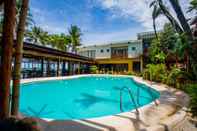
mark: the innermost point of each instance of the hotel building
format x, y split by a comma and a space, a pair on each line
124, 56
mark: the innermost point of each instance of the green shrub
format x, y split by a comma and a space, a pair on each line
172, 76
191, 90
93, 69
155, 72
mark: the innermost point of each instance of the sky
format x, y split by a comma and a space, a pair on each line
100, 21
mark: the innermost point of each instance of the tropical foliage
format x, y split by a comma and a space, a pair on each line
59, 41
191, 89
29, 21
38, 35
193, 6
75, 37
175, 41
93, 69
155, 72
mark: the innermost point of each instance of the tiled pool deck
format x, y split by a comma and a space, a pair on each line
169, 114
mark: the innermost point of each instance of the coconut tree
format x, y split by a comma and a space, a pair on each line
75, 36
29, 20
158, 9
60, 42
184, 28
156, 12
6, 56
179, 13
193, 6
18, 56
38, 35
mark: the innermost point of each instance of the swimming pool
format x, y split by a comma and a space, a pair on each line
82, 97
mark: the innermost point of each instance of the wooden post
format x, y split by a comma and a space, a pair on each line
79, 68
70, 68
48, 68
58, 67
42, 66
63, 68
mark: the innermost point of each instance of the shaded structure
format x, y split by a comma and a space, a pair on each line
40, 61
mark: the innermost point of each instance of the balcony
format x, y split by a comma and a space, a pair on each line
119, 53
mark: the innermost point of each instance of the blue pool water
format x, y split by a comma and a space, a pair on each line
83, 97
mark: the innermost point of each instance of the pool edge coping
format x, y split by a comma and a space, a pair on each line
173, 120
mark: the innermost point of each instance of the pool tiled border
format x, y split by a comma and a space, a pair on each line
168, 114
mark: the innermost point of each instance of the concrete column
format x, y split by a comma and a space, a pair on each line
130, 66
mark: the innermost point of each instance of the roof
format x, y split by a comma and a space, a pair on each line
113, 43
46, 50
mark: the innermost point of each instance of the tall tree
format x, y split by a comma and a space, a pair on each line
18, 57
29, 20
38, 35
156, 12
193, 6
6, 54
60, 42
75, 36
160, 8
179, 13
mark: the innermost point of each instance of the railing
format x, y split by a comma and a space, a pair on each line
131, 97
119, 56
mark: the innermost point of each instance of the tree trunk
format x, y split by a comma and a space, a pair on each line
1, 2
18, 57
182, 19
6, 54
172, 20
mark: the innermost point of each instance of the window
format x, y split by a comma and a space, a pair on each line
107, 50
133, 48
101, 50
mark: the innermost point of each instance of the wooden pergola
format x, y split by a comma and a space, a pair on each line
45, 62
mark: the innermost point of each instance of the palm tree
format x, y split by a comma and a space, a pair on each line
179, 13
184, 28
161, 9
29, 20
156, 12
6, 56
193, 6
38, 35
75, 36
18, 57
61, 41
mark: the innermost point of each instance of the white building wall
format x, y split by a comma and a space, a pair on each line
107, 54
137, 52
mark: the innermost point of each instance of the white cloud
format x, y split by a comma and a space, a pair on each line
102, 38
138, 10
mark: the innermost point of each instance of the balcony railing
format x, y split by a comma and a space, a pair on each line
119, 55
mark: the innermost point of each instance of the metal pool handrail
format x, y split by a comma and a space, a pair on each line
131, 97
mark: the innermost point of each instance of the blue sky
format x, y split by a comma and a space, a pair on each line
101, 21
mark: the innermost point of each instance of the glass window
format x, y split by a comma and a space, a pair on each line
133, 48
101, 50
107, 50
